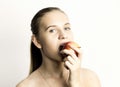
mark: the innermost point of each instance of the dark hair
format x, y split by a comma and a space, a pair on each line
36, 56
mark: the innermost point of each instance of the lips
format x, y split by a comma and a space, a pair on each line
61, 47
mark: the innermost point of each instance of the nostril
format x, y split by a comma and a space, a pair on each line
62, 36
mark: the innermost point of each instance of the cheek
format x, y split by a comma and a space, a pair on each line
49, 43
46, 39
49, 49
71, 36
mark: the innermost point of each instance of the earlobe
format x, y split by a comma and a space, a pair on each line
35, 41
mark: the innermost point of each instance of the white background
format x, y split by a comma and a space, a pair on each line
96, 24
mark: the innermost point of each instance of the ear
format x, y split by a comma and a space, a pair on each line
35, 41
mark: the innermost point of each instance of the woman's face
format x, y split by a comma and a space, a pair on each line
54, 30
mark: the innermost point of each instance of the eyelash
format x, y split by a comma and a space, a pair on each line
52, 30
67, 28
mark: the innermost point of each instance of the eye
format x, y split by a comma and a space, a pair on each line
52, 30
67, 28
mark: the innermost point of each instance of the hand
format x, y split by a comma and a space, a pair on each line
73, 63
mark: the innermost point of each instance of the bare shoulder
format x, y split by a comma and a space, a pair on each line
28, 82
91, 78
33, 80
23, 83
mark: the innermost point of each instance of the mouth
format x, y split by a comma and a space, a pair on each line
62, 47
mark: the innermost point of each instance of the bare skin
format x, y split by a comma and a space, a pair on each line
88, 79
56, 71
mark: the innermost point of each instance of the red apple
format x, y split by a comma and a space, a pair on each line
67, 46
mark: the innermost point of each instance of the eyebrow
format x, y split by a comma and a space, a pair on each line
49, 27
67, 24
55, 26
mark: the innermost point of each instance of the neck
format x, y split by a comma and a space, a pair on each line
52, 68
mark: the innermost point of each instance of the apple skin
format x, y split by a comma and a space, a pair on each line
67, 46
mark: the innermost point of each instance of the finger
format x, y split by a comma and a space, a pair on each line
71, 60
68, 64
77, 50
67, 52
70, 53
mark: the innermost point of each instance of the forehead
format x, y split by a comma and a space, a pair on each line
54, 18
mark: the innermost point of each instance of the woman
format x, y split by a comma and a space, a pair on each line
51, 28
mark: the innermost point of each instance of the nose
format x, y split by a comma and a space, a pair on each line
62, 35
